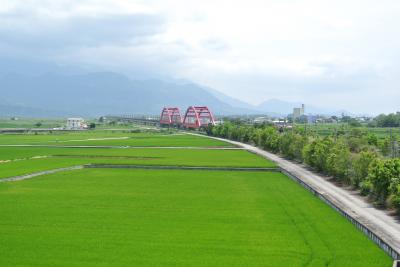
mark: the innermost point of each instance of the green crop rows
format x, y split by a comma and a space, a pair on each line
108, 138
125, 217
33, 159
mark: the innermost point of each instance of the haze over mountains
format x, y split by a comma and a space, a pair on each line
45, 91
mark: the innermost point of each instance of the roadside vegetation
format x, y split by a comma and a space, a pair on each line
390, 120
342, 128
356, 157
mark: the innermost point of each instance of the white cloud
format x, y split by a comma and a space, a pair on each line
320, 51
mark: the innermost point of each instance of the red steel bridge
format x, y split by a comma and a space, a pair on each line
171, 116
195, 117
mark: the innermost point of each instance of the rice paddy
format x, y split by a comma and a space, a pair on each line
134, 217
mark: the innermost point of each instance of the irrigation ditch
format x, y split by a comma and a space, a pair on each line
169, 167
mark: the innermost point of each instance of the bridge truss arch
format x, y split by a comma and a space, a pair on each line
197, 117
170, 116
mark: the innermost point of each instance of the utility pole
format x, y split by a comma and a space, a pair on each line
398, 147
336, 134
392, 147
305, 128
395, 147
293, 126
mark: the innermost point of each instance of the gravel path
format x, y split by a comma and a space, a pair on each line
31, 175
378, 221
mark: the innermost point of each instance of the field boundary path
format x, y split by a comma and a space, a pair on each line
35, 174
171, 167
134, 147
382, 228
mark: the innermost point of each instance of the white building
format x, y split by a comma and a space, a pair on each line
262, 120
76, 124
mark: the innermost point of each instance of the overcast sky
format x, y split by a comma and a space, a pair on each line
343, 54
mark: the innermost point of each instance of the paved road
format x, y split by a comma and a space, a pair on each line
385, 226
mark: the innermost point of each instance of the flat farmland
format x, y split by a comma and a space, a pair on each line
137, 217
24, 160
174, 218
109, 138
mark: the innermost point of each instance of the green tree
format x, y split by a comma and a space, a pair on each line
217, 130
299, 143
360, 166
226, 130
256, 136
394, 187
372, 139
390, 120
285, 144
338, 161
383, 176
247, 133
385, 146
395, 197
354, 123
321, 153
308, 153
349, 156
270, 139
291, 145
209, 129
346, 119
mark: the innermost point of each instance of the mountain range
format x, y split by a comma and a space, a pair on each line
93, 94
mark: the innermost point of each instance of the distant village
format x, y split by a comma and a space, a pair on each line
299, 116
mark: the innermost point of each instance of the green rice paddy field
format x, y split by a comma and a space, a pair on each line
109, 138
127, 217
21, 160
329, 129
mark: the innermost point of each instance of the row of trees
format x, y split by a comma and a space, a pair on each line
354, 158
390, 120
